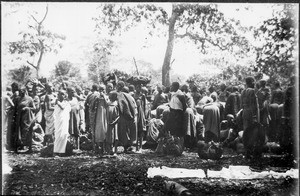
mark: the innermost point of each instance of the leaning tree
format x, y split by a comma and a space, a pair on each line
203, 24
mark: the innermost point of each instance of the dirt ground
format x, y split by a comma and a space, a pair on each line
126, 174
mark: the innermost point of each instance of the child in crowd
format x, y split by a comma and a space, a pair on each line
112, 119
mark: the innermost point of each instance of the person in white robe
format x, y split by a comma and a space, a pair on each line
61, 122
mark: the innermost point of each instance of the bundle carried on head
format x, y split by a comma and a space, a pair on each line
110, 78
135, 80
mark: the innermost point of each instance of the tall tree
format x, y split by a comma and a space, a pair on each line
202, 24
36, 41
276, 54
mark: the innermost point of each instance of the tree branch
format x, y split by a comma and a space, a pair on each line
203, 40
31, 64
45, 15
34, 19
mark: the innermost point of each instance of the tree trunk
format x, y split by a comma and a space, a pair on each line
167, 60
38, 65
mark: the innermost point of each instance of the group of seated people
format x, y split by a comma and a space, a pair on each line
121, 114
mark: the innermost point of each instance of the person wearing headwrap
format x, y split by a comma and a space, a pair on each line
100, 106
24, 120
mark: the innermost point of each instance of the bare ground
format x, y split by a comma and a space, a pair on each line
126, 174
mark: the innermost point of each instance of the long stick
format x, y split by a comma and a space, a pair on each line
137, 70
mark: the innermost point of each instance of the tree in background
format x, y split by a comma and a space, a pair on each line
99, 60
65, 71
35, 42
202, 24
20, 75
276, 54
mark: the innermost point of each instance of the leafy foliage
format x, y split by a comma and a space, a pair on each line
201, 24
98, 66
65, 71
276, 55
20, 75
232, 75
35, 42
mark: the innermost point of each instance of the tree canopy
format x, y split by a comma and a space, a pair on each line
202, 24
276, 54
36, 41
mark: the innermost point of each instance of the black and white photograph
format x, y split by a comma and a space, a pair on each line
150, 98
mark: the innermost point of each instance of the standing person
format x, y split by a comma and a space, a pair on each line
177, 104
50, 100
253, 136
8, 107
249, 103
233, 103
33, 86
263, 97
112, 119
127, 121
140, 100
89, 111
100, 106
74, 116
61, 115
24, 120
13, 137
288, 132
277, 100
81, 100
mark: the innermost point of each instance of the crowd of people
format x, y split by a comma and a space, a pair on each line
120, 114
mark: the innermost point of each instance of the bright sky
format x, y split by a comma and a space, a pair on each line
74, 21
